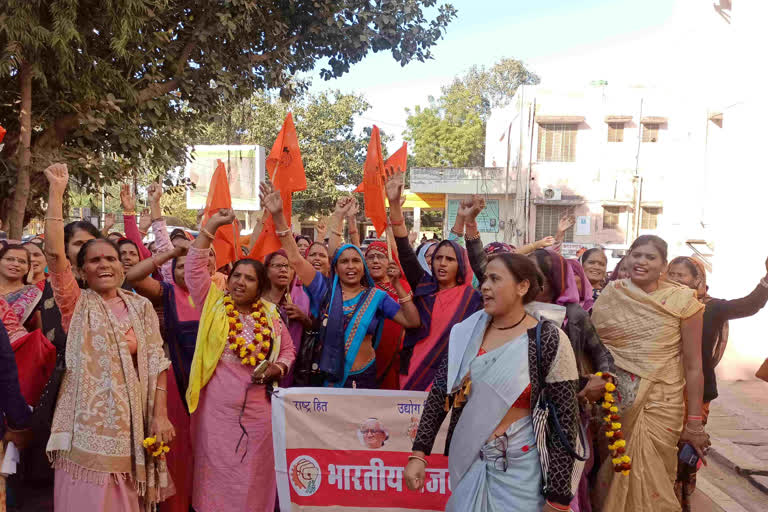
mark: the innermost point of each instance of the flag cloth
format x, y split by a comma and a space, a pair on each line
373, 180
398, 160
286, 171
227, 241
2, 133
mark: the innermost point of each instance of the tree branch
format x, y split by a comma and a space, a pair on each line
266, 56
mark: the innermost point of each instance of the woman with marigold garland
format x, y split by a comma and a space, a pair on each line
231, 413
652, 327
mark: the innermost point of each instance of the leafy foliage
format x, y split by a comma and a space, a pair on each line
450, 132
120, 86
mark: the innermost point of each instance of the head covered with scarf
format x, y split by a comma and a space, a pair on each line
586, 299
381, 247
460, 302
560, 276
421, 255
498, 248
699, 273
333, 357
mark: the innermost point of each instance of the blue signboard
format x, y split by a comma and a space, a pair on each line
487, 221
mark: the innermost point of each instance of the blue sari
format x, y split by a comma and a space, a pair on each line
347, 323
181, 337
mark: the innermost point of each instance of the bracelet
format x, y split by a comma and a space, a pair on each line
129, 213
282, 370
416, 457
337, 233
565, 508
207, 233
692, 431
397, 222
161, 389
60, 219
763, 282
460, 235
405, 299
476, 236
144, 232
695, 418
283, 233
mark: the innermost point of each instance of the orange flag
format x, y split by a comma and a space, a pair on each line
399, 159
373, 182
2, 133
227, 241
286, 171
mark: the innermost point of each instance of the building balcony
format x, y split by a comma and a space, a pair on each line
462, 180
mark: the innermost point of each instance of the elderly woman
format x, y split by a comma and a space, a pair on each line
113, 394
372, 434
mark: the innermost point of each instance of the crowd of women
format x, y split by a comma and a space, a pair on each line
129, 346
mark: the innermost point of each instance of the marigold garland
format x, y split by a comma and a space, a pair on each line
249, 353
156, 448
622, 463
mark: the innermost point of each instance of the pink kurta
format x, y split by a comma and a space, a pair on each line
234, 471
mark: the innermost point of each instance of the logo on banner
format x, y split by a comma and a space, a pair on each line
305, 475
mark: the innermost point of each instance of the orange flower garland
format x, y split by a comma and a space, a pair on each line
249, 353
622, 463
156, 448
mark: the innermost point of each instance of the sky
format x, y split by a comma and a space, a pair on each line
560, 40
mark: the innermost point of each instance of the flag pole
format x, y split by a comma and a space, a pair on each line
387, 232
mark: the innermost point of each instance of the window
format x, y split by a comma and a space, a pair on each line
611, 216
547, 218
557, 142
615, 132
650, 132
650, 217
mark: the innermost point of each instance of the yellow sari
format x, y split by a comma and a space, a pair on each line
642, 332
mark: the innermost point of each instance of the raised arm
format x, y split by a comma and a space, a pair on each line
354, 233
109, 222
408, 316
344, 206
468, 211
272, 201
749, 305
257, 227
55, 251
139, 276
547, 241
196, 267
408, 260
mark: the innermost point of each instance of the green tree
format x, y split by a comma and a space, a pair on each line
450, 131
332, 152
112, 88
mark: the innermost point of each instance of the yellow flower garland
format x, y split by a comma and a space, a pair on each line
249, 353
156, 448
622, 463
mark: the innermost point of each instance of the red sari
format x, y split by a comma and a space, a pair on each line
388, 351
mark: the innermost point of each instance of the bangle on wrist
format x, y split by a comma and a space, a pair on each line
695, 418
144, 232
208, 234
283, 233
129, 213
337, 233
460, 235
158, 388
476, 236
564, 508
397, 222
416, 457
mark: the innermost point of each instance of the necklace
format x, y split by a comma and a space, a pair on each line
511, 326
248, 353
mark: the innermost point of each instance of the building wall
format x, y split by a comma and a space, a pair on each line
602, 172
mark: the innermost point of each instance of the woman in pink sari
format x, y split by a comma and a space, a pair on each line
23, 297
242, 348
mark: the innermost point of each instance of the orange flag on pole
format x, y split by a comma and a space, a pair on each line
286, 171
227, 241
398, 160
373, 183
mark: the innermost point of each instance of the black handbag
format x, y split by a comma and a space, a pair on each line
545, 417
306, 371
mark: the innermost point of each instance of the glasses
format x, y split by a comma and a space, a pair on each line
370, 432
499, 459
374, 256
280, 266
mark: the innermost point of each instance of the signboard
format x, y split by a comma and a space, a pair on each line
487, 221
345, 450
422, 200
582, 225
245, 170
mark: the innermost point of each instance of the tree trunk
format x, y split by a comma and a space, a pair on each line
24, 154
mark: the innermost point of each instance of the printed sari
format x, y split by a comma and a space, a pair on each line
642, 332
348, 323
24, 301
439, 310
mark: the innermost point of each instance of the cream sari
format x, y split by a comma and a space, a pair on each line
642, 332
